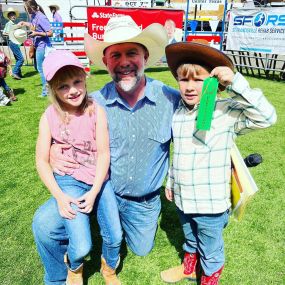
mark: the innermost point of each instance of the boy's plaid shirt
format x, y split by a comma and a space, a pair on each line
200, 172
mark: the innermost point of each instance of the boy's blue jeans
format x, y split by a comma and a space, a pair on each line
18, 56
204, 235
51, 237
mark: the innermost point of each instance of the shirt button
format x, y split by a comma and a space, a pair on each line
131, 178
132, 157
133, 136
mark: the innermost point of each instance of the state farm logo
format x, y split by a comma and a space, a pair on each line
95, 15
103, 15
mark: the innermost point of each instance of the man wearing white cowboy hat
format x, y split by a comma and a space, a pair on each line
11, 14
139, 111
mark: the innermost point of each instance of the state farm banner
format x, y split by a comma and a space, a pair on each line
98, 17
257, 30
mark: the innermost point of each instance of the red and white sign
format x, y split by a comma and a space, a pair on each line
98, 17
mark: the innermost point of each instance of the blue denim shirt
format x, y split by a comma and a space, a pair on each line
139, 137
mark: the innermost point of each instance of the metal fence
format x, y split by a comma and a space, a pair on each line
270, 66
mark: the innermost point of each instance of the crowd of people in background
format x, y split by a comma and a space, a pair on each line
38, 32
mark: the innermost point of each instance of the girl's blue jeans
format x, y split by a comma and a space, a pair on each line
52, 238
77, 229
204, 235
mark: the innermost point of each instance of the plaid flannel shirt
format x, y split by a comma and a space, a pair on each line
200, 172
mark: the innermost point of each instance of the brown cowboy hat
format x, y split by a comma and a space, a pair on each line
195, 53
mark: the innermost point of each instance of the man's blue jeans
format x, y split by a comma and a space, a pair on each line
139, 222
204, 235
52, 239
40, 56
18, 57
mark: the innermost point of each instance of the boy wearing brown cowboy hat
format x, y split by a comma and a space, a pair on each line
199, 178
11, 15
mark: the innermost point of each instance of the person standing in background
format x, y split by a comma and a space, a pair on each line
11, 15
40, 31
55, 14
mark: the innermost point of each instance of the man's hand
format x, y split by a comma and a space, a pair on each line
60, 164
86, 202
169, 194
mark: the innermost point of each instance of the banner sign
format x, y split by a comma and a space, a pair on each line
257, 30
221, 2
98, 17
131, 4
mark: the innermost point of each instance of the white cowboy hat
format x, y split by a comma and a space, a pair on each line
123, 29
10, 10
17, 35
54, 5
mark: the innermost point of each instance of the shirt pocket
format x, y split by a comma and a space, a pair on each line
114, 139
160, 136
204, 139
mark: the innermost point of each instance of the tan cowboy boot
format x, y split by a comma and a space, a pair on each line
187, 270
109, 274
74, 277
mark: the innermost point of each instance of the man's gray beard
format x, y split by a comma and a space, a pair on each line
129, 85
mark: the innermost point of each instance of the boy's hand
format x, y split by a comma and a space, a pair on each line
64, 206
169, 194
86, 202
224, 75
59, 163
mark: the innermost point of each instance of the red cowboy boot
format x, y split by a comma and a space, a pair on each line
213, 279
187, 270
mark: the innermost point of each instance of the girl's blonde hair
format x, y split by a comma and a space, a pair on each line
61, 75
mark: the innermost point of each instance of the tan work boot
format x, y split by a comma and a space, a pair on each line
74, 277
187, 270
109, 274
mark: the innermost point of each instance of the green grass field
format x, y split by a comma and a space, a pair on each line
255, 247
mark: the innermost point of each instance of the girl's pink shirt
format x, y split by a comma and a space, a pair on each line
80, 133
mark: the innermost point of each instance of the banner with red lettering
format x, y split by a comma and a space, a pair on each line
98, 17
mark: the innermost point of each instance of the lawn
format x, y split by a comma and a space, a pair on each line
255, 247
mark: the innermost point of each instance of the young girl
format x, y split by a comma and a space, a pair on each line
40, 32
199, 179
73, 119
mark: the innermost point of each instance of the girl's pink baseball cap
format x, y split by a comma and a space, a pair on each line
57, 59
